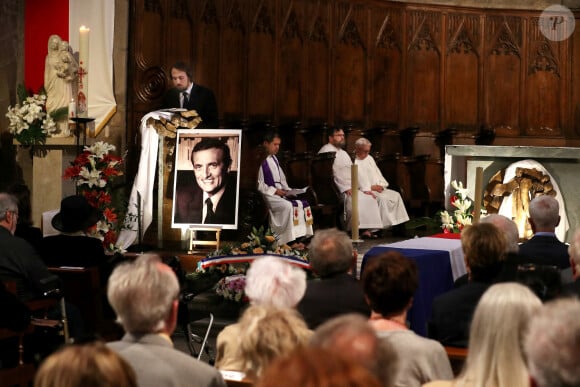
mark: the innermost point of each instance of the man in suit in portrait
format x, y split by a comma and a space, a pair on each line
188, 95
337, 292
144, 294
544, 248
210, 197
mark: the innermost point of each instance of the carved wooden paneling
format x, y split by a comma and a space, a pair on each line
261, 58
423, 68
462, 73
207, 51
349, 61
179, 36
232, 66
317, 72
386, 70
502, 69
290, 91
543, 76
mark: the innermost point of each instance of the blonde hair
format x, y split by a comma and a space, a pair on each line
87, 365
268, 333
495, 356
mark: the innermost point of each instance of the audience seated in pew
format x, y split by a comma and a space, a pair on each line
144, 294
390, 281
552, 345
20, 263
269, 282
85, 365
544, 280
312, 367
289, 217
544, 248
495, 354
336, 292
484, 248
351, 335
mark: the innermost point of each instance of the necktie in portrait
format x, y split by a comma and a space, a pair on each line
209, 211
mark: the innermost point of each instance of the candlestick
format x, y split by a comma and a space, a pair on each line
478, 194
83, 93
354, 197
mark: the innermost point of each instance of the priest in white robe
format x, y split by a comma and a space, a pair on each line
372, 181
368, 207
289, 217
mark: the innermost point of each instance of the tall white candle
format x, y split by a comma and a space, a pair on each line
83, 95
354, 197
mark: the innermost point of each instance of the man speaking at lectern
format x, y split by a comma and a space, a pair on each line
190, 96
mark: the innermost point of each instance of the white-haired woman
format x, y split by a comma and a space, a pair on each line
270, 281
495, 356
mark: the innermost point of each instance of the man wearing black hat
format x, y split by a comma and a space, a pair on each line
73, 247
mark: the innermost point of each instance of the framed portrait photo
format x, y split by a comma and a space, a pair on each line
207, 178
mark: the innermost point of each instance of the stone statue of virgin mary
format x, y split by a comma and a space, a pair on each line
60, 74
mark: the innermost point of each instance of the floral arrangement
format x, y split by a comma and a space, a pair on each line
230, 275
232, 288
463, 213
29, 122
94, 170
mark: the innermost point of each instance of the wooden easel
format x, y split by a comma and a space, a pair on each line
194, 242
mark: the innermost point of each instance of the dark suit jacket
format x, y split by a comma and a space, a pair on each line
452, 312
546, 250
67, 250
19, 262
201, 100
330, 297
157, 363
189, 200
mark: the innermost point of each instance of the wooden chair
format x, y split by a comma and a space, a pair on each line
82, 287
456, 357
23, 373
328, 205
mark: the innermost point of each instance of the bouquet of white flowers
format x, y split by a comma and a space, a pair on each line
29, 122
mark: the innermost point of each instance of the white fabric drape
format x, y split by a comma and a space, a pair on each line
99, 16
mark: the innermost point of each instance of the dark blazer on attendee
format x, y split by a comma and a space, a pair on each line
452, 312
546, 250
188, 203
330, 297
201, 100
72, 250
157, 363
